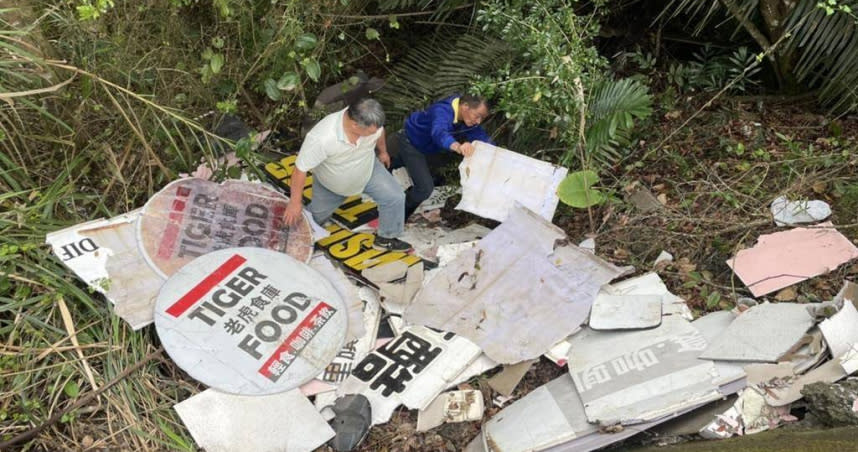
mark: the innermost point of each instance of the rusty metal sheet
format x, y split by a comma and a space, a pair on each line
250, 320
191, 217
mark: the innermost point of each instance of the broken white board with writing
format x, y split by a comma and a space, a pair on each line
631, 377
495, 179
514, 294
356, 350
763, 333
552, 417
250, 320
348, 292
711, 326
105, 255
625, 312
841, 330
411, 370
451, 407
785, 258
284, 422
191, 217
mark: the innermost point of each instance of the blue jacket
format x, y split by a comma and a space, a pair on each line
433, 131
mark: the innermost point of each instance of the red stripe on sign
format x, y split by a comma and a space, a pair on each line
189, 299
287, 343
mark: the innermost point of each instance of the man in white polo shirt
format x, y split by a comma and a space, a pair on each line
341, 152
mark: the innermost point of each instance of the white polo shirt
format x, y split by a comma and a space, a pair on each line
340, 166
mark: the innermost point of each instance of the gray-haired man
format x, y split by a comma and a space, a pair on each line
341, 152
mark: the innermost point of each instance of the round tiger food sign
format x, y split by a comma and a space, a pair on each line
250, 320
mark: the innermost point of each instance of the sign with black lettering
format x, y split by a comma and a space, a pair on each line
250, 321
354, 250
191, 217
352, 213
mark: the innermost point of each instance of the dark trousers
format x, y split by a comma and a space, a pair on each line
419, 167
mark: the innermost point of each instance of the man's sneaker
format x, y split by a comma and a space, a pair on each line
383, 243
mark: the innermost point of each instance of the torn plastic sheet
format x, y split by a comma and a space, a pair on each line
105, 255
639, 376
191, 217
410, 370
763, 333
250, 320
495, 179
285, 422
552, 417
514, 294
451, 407
785, 258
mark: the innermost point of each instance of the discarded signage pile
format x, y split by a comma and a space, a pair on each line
299, 349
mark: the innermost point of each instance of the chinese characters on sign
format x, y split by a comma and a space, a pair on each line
250, 320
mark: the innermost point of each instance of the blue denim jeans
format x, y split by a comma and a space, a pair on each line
382, 188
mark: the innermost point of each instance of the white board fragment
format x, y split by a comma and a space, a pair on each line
411, 370
625, 312
841, 330
514, 294
639, 376
495, 179
763, 333
285, 422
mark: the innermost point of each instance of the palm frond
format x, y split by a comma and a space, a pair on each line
437, 69
613, 108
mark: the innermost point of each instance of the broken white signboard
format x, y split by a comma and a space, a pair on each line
495, 179
638, 376
514, 294
355, 351
191, 217
250, 321
105, 255
763, 333
285, 422
841, 330
410, 370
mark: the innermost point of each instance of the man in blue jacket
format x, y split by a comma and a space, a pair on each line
450, 125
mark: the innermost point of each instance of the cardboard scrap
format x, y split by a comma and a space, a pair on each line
638, 376
451, 407
784, 258
284, 422
495, 179
411, 370
514, 294
505, 381
763, 333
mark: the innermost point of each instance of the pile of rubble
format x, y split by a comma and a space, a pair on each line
306, 335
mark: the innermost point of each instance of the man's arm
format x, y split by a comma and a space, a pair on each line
381, 149
442, 124
296, 194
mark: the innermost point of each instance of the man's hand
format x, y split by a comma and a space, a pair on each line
466, 149
292, 213
384, 158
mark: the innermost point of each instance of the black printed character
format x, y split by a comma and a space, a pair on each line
407, 353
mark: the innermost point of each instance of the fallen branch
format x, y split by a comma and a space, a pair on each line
33, 432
